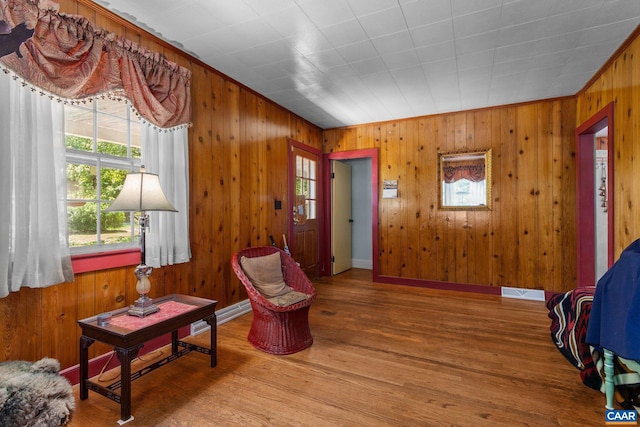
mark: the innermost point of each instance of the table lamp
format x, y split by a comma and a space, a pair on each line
142, 192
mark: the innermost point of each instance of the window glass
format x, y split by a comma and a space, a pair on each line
103, 145
78, 127
305, 203
464, 193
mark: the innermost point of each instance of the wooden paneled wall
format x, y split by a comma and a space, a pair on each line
238, 163
526, 240
238, 152
620, 83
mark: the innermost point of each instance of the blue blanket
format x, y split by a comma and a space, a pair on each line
615, 313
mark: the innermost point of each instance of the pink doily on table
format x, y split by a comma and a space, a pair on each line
168, 310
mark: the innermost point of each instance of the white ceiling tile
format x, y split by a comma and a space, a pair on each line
265, 54
382, 23
358, 51
344, 33
569, 22
609, 32
326, 12
515, 51
448, 102
437, 52
203, 46
467, 7
568, 84
309, 40
515, 66
535, 75
262, 7
274, 72
437, 69
476, 23
522, 12
369, 66
426, 35
409, 75
289, 22
475, 60
554, 44
399, 60
183, 23
366, 7
620, 10
254, 33
379, 81
341, 71
393, 43
422, 102
520, 33
479, 43
471, 79
570, 6
547, 59
225, 12
420, 13
582, 59
326, 60
220, 42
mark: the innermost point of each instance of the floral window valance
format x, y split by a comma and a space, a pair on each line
473, 170
67, 56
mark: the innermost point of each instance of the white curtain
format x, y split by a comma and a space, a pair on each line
165, 152
474, 193
33, 218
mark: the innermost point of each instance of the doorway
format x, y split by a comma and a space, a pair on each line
595, 177
363, 184
342, 220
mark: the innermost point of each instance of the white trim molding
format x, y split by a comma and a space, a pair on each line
222, 316
519, 293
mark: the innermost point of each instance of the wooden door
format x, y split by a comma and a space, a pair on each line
340, 217
305, 209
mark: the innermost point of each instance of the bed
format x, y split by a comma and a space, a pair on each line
597, 329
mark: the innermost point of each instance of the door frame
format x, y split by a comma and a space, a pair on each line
585, 195
325, 255
291, 194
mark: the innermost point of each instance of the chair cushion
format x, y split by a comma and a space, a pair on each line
288, 299
265, 272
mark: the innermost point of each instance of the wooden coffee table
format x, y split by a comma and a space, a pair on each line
129, 333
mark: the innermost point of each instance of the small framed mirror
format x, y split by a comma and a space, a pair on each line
465, 180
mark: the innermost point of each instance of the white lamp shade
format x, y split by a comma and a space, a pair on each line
141, 192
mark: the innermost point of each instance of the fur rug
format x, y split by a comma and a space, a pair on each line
34, 394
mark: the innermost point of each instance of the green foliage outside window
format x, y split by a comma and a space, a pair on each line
82, 185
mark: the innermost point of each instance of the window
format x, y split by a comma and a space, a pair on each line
465, 179
306, 199
103, 142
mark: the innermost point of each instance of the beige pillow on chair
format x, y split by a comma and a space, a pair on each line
265, 272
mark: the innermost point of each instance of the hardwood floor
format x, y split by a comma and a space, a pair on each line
383, 355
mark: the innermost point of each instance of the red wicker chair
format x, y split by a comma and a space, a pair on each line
275, 329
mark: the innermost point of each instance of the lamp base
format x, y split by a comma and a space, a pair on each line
142, 307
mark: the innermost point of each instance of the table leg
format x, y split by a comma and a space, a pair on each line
213, 322
174, 342
126, 355
608, 377
85, 342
